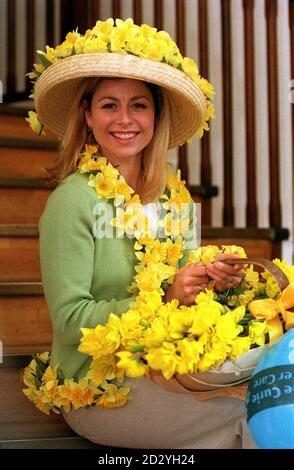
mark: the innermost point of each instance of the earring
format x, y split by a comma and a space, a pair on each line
90, 136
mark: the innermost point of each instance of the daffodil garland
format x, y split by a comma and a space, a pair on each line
153, 335
123, 37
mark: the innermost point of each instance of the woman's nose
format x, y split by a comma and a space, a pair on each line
124, 115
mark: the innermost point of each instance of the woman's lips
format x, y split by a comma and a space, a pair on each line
124, 136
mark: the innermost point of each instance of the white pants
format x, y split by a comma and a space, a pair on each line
157, 419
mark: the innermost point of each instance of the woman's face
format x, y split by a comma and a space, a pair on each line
122, 118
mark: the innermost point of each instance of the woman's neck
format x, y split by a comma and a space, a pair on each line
131, 170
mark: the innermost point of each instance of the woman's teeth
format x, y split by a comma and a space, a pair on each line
128, 135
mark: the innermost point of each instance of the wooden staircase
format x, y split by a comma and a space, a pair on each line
22, 425
25, 326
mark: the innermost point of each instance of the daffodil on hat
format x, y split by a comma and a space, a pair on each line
124, 50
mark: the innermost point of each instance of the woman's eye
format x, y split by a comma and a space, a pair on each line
140, 105
108, 106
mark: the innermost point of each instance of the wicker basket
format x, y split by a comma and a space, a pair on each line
222, 382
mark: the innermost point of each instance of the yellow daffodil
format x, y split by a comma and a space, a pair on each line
102, 369
35, 123
189, 353
100, 341
164, 358
79, 394
112, 396
239, 346
131, 364
257, 332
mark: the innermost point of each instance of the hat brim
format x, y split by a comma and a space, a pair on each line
57, 88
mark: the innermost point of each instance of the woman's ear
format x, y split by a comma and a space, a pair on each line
87, 113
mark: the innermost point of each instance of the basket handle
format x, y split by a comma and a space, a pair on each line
275, 271
173, 385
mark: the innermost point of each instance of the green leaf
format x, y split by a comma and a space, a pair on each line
145, 323
46, 62
134, 347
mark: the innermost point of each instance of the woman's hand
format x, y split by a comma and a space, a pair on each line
188, 282
225, 275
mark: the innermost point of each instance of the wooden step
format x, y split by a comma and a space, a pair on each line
24, 182
209, 234
22, 425
25, 162
19, 355
25, 324
22, 205
257, 248
12, 125
19, 252
19, 417
19, 259
21, 143
260, 242
70, 442
19, 359
20, 288
19, 230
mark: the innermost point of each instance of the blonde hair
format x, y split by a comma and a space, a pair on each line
76, 136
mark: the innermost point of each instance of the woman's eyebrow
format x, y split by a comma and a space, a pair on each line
109, 97
139, 97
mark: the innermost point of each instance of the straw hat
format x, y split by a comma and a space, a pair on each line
57, 85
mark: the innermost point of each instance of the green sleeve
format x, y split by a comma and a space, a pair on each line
67, 263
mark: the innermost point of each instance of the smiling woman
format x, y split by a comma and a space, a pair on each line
119, 97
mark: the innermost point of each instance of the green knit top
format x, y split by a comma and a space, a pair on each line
85, 278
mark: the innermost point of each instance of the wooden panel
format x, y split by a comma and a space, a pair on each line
273, 111
30, 39
11, 47
158, 14
50, 10
17, 126
19, 259
19, 417
22, 206
205, 147
137, 11
251, 208
24, 321
73, 15
180, 27
228, 211
25, 162
291, 21
94, 12
116, 9
260, 248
